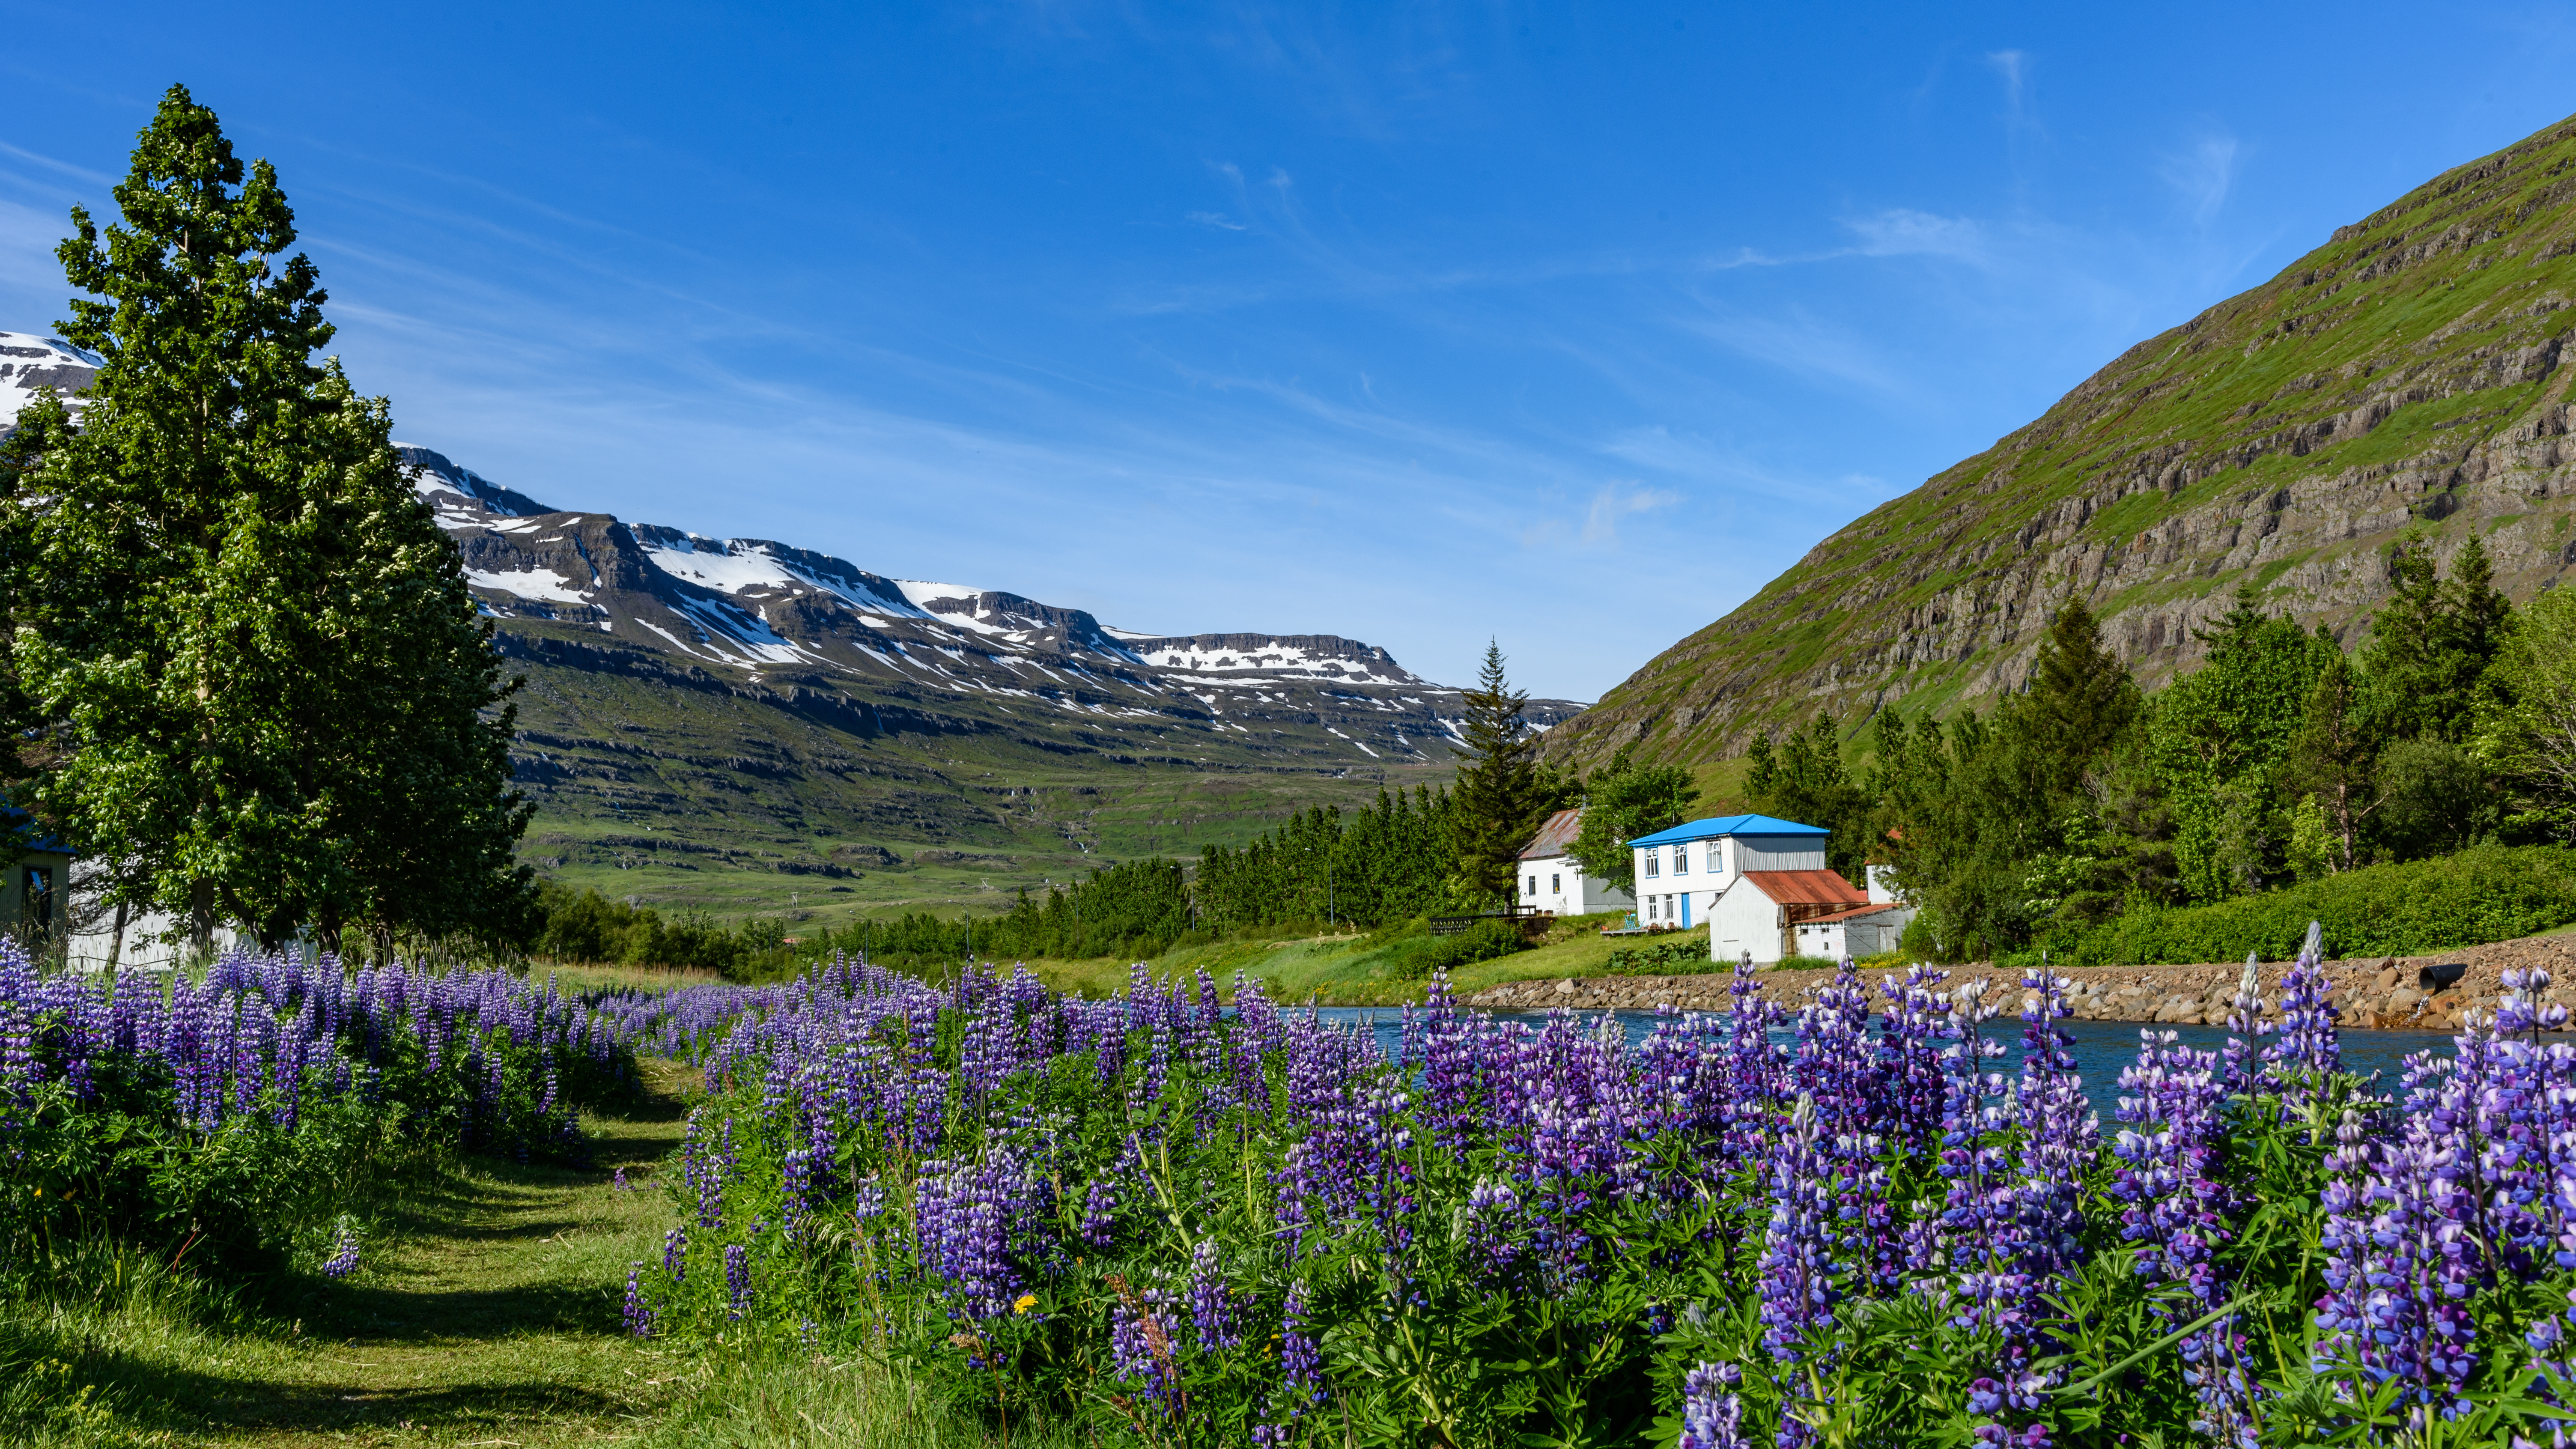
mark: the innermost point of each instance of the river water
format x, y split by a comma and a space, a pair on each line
2101, 1048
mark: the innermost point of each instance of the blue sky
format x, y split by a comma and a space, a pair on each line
1570, 326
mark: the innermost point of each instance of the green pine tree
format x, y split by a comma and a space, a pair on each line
1501, 789
2082, 701
262, 686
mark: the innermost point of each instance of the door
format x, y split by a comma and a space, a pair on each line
1686, 910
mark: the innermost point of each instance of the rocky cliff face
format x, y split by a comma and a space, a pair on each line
2407, 377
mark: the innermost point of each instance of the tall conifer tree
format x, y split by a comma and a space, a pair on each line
265, 692
1500, 789
2081, 700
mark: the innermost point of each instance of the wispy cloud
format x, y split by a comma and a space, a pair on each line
1615, 502
1812, 347
2013, 66
1903, 232
1216, 219
2201, 176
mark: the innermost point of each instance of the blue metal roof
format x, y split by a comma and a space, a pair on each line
1728, 825
18, 823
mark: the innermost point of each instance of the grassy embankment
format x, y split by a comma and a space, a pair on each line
1354, 968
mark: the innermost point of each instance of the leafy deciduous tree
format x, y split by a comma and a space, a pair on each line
1622, 801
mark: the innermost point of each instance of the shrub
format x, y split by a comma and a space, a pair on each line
1487, 940
1687, 956
229, 1124
2486, 893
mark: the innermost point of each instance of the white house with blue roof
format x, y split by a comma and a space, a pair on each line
1762, 887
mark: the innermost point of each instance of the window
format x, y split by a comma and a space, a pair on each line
1556, 885
1681, 860
1533, 890
1651, 902
1654, 862
36, 907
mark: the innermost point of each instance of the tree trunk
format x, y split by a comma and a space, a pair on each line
116, 938
201, 918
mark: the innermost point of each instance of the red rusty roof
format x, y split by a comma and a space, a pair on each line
1553, 837
1807, 888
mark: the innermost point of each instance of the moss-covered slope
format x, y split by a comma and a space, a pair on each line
2406, 375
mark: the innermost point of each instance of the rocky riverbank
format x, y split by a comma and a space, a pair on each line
2377, 991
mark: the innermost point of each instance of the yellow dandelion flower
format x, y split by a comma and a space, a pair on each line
1027, 1302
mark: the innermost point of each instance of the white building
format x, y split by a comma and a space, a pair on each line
1858, 932
1754, 880
1683, 871
1550, 879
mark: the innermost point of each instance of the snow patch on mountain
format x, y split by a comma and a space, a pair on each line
29, 362
535, 583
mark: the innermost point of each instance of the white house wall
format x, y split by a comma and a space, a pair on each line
1744, 919
1566, 890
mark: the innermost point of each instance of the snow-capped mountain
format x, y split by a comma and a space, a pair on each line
770, 609
776, 617
29, 362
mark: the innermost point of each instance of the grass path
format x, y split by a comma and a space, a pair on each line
489, 1316
496, 1317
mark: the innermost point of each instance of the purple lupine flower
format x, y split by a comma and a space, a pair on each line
1211, 1301
1141, 1350
2177, 1212
344, 1250
2059, 1132
639, 1315
979, 1224
1980, 1211
2246, 1030
2398, 1267
1493, 1211
1797, 1271
1712, 1411
2307, 1050
1099, 1213
737, 1272
1301, 1358
675, 1254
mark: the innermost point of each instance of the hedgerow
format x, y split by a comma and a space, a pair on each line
2486, 893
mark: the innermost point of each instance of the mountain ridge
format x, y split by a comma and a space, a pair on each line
2406, 376
749, 725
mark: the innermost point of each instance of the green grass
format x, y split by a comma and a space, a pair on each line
1351, 968
689, 801
488, 1315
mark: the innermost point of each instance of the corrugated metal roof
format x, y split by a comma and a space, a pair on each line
1806, 888
1729, 825
1553, 837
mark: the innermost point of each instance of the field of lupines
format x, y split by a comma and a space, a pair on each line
235, 1122
1865, 1220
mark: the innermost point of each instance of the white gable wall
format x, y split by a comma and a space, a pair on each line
1558, 884
1743, 919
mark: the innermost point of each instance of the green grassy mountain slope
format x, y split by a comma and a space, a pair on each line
2407, 375
819, 797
